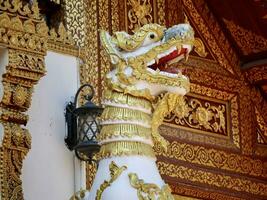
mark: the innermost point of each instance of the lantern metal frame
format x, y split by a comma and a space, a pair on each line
84, 146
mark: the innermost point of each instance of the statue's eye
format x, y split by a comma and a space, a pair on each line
152, 36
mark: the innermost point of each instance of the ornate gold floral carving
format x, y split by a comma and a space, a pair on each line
75, 20
91, 63
14, 35
90, 174
61, 41
17, 6
15, 146
214, 179
140, 13
149, 190
104, 62
242, 101
200, 115
165, 106
215, 158
20, 96
24, 34
161, 12
115, 172
247, 41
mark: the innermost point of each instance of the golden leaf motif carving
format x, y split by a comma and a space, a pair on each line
140, 13
194, 114
149, 190
212, 179
115, 172
20, 95
200, 48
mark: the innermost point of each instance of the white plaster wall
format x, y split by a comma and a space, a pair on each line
3, 64
48, 170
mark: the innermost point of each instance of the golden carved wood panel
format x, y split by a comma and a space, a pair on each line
24, 35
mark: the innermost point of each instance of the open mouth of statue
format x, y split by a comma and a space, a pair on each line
165, 60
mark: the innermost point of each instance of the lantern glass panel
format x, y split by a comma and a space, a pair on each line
88, 127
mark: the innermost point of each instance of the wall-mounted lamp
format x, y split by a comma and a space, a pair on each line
83, 126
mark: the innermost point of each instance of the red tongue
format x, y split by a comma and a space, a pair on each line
172, 70
162, 62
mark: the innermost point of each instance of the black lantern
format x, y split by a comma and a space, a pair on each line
82, 126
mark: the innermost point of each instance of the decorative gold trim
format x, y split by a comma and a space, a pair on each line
123, 130
149, 190
246, 40
116, 113
139, 14
217, 159
125, 148
164, 107
115, 172
25, 36
218, 180
118, 97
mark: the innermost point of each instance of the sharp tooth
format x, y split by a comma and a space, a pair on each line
186, 57
179, 50
157, 61
151, 62
157, 70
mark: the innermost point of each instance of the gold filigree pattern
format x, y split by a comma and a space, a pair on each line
217, 180
195, 114
165, 106
123, 130
75, 21
247, 41
215, 158
91, 51
123, 148
17, 7
161, 12
149, 190
115, 172
200, 48
25, 36
116, 113
121, 98
140, 13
